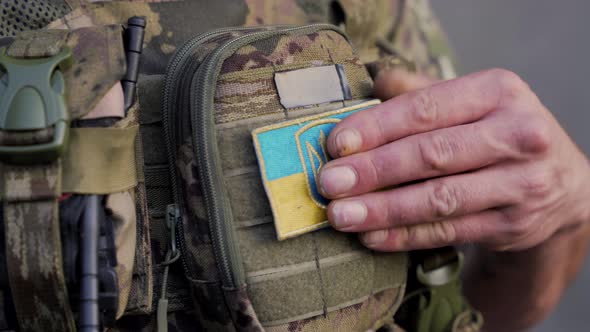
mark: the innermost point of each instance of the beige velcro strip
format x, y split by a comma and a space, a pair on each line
309, 86
100, 160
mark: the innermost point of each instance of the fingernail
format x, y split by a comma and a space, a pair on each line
348, 213
373, 239
348, 141
337, 180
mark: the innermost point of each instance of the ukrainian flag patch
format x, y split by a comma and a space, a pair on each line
290, 155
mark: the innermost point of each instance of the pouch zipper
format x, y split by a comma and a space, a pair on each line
173, 73
218, 209
202, 89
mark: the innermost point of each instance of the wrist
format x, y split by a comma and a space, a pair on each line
586, 217
580, 198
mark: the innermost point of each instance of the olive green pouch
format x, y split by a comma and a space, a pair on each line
219, 87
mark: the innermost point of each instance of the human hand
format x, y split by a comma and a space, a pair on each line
475, 159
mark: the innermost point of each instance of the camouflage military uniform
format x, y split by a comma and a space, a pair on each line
386, 34
376, 27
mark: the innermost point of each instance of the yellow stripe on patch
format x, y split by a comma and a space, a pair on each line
298, 213
290, 155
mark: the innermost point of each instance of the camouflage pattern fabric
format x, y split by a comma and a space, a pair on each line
352, 318
31, 225
169, 24
122, 206
33, 247
406, 26
392, 28
30, 193
255, 91
245, 69
98, 61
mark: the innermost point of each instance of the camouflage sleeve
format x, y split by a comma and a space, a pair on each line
420, 39
396, 32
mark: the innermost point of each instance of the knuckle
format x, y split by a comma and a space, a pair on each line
521, 230
429, 235
443, 200
509, 80
516, 227
437, 152
537, 182
532, 136
404, 237
425, 108
443, 233
511, 85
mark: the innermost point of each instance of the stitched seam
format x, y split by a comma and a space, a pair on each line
319, 270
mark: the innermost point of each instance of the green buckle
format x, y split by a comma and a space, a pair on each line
32, 98
442, 300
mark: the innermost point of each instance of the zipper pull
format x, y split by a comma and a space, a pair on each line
172, 220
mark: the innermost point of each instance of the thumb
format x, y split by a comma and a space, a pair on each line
392, 83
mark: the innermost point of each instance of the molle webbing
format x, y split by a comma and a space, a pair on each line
313, 275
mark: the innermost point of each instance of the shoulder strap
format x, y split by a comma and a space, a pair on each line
34, 132
31, 187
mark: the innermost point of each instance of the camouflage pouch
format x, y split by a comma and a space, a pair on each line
219, 87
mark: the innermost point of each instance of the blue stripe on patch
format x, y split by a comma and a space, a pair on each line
290, 155
279, 148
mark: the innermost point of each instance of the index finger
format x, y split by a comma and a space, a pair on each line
451, 103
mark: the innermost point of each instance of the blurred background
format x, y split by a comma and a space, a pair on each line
546, 42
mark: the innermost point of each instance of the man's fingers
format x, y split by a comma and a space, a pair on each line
446, 104
478, 227
425, 202
395, 82
423, 156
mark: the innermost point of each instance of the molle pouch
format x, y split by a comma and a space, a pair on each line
246, 112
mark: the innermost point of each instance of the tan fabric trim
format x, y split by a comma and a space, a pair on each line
100, 160
123, 207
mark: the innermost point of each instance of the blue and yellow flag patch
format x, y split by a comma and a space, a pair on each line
290, 155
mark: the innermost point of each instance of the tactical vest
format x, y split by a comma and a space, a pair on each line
208, 216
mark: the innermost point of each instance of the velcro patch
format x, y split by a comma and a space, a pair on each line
290, 155
309, 86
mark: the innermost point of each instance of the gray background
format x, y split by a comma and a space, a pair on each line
546, 42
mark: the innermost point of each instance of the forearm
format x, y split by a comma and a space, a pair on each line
517, 289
